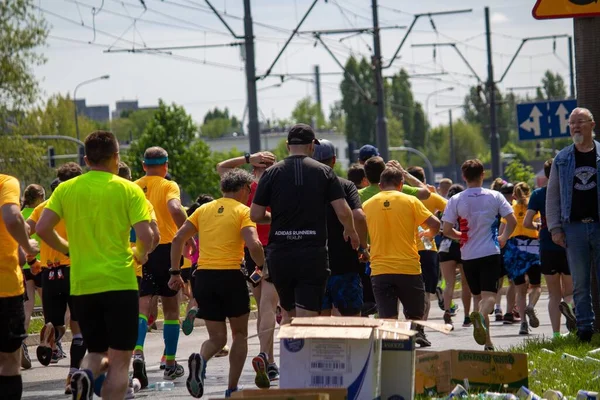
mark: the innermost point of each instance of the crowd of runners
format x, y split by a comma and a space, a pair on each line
101, 251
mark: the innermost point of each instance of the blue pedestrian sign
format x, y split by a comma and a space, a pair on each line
544, 120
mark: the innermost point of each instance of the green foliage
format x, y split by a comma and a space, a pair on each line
468, 143
131, 125
360, 112
306, 111
218, 123
402, 106
476, 111
337, 117
516, 171
23, 159
190, 161
553, 87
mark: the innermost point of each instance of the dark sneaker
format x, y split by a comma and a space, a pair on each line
421, 339
188, 324
260, 363
498, 312
44, 350
453, 309
570, 319
448, 319
173, 372
467, 322
440, 297
61, 352
585, 336
516, 314
509, 319
82, 385
524, 330
139, 371
195, 381
273, 372
25, 359
229, 391
479, 328
534, 322
56, 357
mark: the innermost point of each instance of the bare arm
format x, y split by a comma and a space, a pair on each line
45, 230
450, 232
360, 223
176, 211
259, 214
344, 214
434, 225
528, 222
501, 228
185, 233
423, 193
260, 159
155, 235
511, 224
253, 244
18, 229
144, 240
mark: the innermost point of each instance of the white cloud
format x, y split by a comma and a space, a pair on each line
499, 18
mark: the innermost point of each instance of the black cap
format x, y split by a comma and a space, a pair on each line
324, 150
507, 188
301, 134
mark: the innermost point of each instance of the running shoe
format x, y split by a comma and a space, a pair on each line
570, 319
197, 371
188, 324
82, 385
479, 328
509, 319
467, 322
68, 384
440, 297
448, 319
44, 350
260, 363
273, 372
61, 352
224, 352
229, 391
163, 362
55, 357
139, 370
173, 372
499, 316
453, 309
524, 329
25, 359
534, 322
422, 340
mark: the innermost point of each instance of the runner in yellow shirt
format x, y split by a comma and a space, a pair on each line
13, 233
98, 209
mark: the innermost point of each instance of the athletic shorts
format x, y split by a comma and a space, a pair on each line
108, 319
300, 277
12, 323
248, 267
482, 274
534, 273
56, 294
453, 253
345, 292
186, 274
409, 289
37, 279
430, 269
221, 294
554, 262
155, 273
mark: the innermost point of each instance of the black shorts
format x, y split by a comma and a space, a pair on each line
221, 294
56, 294
12, 324
430, 269
534, 273
409, 289
554, 262
482, 274
503, 271
155, 273
186, 274
248, 267
453, 253
345, 292
108, 319
300, 277
37, 279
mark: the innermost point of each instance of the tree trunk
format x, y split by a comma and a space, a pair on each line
587, 64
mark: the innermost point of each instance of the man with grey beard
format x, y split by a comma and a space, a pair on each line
572, 212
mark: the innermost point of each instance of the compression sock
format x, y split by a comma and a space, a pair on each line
11, 387
98, 382
171, 337
78, 349
142, 330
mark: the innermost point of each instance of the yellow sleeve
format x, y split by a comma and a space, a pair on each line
440, 203
245, 218
421, 212
151, 210
37, 212
195, 217
173, 192
138, 209
11, 191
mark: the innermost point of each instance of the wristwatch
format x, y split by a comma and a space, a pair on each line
174, 272
247, 157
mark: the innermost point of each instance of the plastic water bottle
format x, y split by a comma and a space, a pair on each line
498, 396
553, 395
426, 241
587, 395
458, 392
526, 394
161, 386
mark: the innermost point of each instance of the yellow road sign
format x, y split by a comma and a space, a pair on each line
549, 9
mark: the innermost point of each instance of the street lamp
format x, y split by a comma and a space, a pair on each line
75, 98
448, 89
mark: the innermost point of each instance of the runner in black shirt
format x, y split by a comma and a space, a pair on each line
344, 287
298, 190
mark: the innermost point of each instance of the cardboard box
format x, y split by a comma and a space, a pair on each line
334, 394
439, 372
397, 364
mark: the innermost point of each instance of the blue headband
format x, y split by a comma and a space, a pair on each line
156, 161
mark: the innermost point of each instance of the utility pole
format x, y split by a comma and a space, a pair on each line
452, 149
382, 134
491, 91
571, 68
253, 127
318, 85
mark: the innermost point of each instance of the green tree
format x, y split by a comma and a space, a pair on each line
131, 124
476, 111
190, 161
468, 143
360, 113
337, 117
553, 87
218, 123
306, 111
516, 171
22, 159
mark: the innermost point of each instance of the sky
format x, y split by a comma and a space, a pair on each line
201, 79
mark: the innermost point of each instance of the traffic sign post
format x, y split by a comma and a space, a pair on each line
544, 120
551, 9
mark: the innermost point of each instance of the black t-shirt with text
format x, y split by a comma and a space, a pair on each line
585, 187
298, 189
342, 257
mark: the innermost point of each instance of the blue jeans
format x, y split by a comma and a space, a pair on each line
583, 251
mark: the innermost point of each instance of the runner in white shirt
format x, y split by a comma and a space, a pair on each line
475, 209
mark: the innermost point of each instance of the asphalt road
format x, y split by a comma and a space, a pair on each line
48, 382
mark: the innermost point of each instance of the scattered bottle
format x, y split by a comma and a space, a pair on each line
161, 386
570, 357
526, 394
547, 351
587, 395
553, 395
458, 392
498, 396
